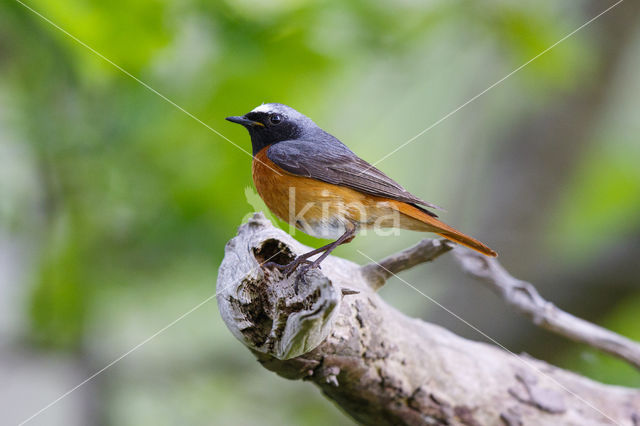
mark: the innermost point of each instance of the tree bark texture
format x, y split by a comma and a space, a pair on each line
330, 327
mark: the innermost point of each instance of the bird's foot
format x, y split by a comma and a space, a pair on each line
308, 266
290, 267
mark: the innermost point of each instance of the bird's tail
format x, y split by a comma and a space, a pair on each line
431, 224
467, 241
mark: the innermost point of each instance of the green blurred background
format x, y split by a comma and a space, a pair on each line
115, 206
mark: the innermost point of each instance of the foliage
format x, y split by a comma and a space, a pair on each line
126, 202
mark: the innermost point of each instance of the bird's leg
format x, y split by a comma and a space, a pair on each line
345, 238
304, 258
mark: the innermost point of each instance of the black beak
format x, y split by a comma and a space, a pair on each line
244, 121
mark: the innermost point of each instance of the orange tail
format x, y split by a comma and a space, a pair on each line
442, 229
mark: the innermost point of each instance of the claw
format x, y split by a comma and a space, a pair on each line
304, 269
290, 267
308, 266
272, 264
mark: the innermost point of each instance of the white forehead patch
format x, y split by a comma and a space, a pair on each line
263, 108
287, 111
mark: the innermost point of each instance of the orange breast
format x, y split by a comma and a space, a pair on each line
292, 197
322, 205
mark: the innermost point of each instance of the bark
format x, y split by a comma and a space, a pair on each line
381, 367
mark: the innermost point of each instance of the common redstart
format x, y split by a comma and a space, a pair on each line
311, 180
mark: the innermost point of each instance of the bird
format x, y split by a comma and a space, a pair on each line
311, 180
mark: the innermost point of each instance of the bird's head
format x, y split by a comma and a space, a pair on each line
273, 123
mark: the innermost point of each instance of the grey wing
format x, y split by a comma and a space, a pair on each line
332, 162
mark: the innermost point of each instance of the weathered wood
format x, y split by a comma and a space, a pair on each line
520, 295
383, 367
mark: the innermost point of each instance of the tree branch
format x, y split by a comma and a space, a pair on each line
525, 299
519, 295
331, 328
425, 251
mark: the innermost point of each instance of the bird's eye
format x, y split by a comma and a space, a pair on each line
275, 118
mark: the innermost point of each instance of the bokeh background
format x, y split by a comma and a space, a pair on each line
115, 206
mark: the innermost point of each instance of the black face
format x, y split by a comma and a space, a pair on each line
267, 128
